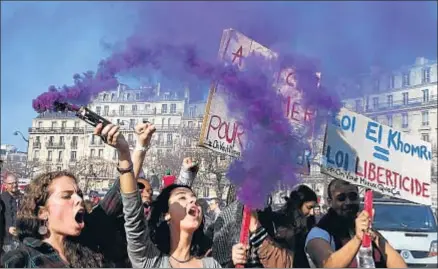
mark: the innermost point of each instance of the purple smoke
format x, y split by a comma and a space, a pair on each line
181, 41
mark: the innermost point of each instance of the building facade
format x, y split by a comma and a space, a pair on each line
60, 140
405, 99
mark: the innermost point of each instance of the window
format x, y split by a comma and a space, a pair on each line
49, 155
92, 151
37, 139
405, 121
359, 105
132, 123
192, 112
389, 120
113, 96
425, 137
63, 124
59, 168
392, 82
92, 139
173, 108
406, 79
36, 154
164, 108
105, 110
425, 118
159, 152
389, 100
40, 124
54, 124
377, 84
425, 78
162, 121
60, 155
405, 98
73, 155
128, 96
130, 137
61, 140
76, 124
51, 140
425, 95
147, 107
375, 102
137, 96
105, 97
169, 139
168, 122
122, 110
134, 108
160, 139
190, 124
98, 110
100, 153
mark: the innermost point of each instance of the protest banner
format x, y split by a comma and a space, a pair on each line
378, 157
220, 131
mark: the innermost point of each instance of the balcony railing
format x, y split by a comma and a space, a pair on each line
97, 143
36, 145
54, 145
143, 112
55, 130
73, 160
399, 105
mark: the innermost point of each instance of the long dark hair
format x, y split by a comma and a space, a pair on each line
36, 195
159, 228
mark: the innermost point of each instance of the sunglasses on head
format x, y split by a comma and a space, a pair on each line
352, 196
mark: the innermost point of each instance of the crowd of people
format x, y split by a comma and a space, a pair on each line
51, 225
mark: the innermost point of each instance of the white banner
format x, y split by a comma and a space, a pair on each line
367, 153
222, 133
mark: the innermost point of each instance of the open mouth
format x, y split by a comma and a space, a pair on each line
193, 211
79, 217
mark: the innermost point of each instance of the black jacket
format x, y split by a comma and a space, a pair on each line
9, 203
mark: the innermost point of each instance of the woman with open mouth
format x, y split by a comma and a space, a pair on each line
173, 236
51, 216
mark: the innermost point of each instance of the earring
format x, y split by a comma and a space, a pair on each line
42, 230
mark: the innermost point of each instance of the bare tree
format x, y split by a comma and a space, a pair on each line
25, 169
93, 168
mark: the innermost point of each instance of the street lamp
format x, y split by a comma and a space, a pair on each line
27, 141
22, 136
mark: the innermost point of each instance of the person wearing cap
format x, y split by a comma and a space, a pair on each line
9, 200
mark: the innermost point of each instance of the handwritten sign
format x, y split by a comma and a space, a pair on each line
220, 131
367, 153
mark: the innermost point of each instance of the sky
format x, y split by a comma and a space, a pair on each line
45, 43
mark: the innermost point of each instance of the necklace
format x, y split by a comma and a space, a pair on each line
184, 261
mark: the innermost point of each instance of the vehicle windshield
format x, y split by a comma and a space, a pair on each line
404, 217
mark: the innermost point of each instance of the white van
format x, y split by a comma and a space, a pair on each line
410, 228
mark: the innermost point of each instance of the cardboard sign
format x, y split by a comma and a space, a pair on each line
367, 153
220, 132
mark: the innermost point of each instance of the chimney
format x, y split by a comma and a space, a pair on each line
420, 61
158, 88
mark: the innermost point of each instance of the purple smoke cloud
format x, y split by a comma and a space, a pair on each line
181, 41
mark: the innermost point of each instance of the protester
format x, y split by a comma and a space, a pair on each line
2, 224
10, 200
336, 240
294, 221
52, 215
262, 251
214, 208
146, 195
173, 236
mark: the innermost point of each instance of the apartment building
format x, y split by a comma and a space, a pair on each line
405, 99
59, 140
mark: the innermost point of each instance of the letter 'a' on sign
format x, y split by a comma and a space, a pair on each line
384, 159
220, 131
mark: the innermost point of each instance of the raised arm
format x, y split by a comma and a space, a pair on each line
144, 132
188, 172
136, 234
